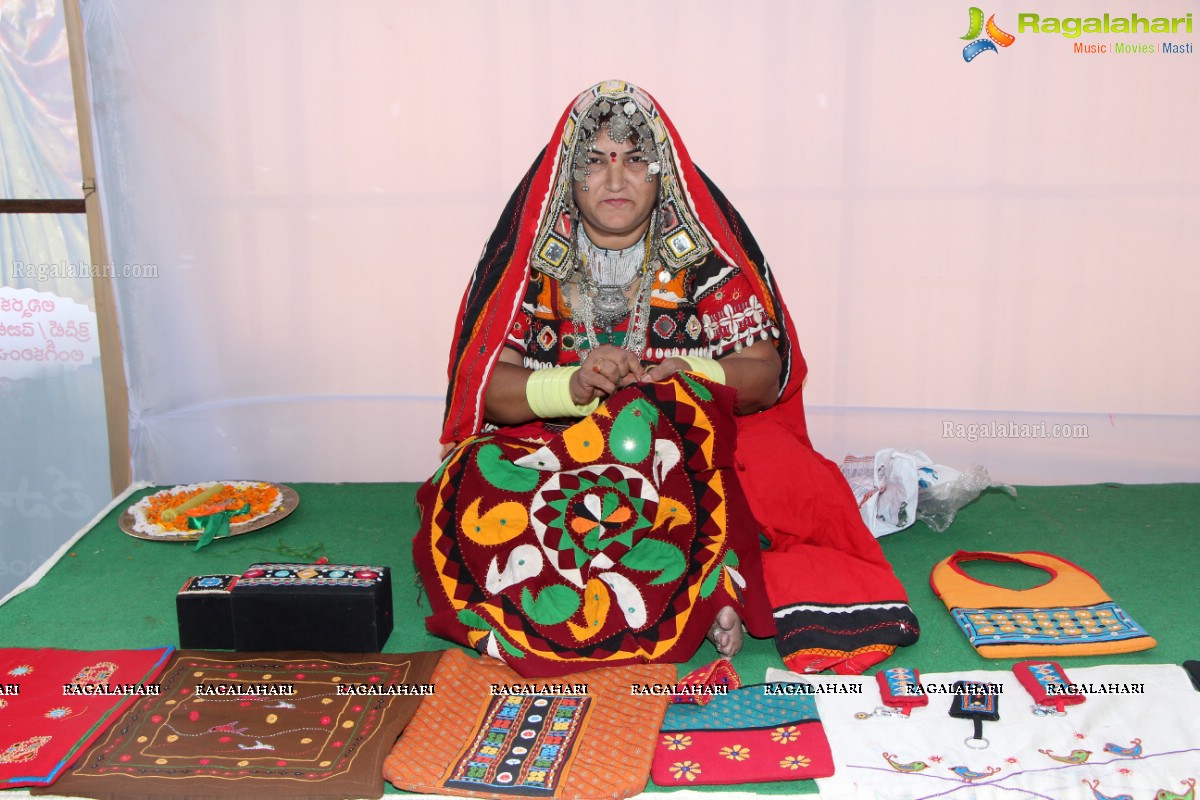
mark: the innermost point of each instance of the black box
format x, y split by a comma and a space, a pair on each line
205, 609
341, 608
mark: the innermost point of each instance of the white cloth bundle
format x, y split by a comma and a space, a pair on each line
1137, 735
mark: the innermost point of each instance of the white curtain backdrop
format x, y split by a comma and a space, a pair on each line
1011, 241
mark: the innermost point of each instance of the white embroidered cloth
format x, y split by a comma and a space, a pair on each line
1136, 737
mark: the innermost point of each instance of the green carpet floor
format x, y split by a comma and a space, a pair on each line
1142, 542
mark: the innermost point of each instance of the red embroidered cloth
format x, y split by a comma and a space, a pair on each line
54, 703
635, 536
294, 725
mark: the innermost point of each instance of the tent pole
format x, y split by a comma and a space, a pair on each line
116, 388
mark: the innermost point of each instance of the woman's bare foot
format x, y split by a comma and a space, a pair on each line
726, 632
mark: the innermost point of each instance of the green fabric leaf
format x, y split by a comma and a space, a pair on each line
472, 620
508, 646
592, 540
652, 555
699, 389
609, 504
502, 473
554, 604
731, 559
710, 583
632, 435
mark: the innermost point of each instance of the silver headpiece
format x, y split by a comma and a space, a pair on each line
677, 239
623, 119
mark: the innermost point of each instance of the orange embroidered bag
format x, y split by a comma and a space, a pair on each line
1068, 615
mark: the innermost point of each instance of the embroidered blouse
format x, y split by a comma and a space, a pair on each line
708, 310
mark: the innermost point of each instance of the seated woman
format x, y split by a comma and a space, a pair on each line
625, 421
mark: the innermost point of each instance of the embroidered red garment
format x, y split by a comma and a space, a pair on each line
294, 725
54, 703
618, 542
837, 603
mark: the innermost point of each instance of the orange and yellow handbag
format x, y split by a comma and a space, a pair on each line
1069, 615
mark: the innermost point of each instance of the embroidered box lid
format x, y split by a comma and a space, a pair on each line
361, 575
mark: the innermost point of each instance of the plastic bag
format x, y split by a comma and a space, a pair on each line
895, 488
886, 487
945, 490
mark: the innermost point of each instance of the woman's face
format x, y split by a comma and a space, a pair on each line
618, 202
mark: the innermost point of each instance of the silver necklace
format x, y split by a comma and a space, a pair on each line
603, 298
607, 275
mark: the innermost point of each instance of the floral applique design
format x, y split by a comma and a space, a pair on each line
736, 752
786, 734
677, 741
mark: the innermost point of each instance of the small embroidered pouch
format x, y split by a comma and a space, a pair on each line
1068, 615
700, 685
978, 702
765, 732
900, 687
1048, 684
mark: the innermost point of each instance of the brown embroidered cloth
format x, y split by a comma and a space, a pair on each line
490, 733
296, 725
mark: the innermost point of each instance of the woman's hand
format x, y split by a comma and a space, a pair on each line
753, 371
603, 371
665, 369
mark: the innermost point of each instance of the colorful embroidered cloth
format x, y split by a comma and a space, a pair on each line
54, 703
489, 733
1136, 736
1068, 615
294, 725
837, 604
766, 732
636, 535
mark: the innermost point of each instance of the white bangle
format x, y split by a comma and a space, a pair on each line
708, 367
549, 394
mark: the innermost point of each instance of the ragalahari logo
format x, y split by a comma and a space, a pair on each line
979, 44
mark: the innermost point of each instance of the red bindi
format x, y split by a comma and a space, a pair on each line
612, 157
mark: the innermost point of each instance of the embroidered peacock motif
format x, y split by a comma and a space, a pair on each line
1133, 751
1075, 757
970, 776
912, 766
1095, 787
1164, 794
